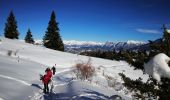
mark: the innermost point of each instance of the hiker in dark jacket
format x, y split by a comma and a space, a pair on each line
54, 70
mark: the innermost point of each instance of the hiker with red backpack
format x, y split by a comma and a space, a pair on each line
46, 80
49, 72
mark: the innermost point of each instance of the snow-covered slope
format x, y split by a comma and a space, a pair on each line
16, 78
19, 74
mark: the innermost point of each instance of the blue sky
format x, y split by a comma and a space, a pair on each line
90, 20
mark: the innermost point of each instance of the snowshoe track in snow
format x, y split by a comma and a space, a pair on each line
15, 79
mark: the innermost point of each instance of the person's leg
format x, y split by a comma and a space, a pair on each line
44, 88
47, 88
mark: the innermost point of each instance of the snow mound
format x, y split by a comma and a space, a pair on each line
158, 67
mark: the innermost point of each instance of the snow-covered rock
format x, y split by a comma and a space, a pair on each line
158, 67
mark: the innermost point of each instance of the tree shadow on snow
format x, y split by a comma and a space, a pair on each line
100, 96
83, 95
72, 93
95, 95
63, 79
56, 96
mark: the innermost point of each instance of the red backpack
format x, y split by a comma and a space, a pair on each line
46, 79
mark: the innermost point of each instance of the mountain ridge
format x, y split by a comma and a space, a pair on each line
75, 46
80, 46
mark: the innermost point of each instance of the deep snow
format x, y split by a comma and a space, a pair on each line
19, 74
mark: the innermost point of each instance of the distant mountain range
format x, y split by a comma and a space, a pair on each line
80, 46
145, 46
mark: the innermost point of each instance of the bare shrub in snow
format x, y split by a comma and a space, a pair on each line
9, 53
84, 70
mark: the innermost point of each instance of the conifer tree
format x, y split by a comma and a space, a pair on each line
29, 37
52, 38
163, 45
10, 30
166, 41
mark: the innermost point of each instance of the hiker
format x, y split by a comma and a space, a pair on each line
54, 70
46, 79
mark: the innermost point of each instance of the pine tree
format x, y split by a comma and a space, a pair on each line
29, 37
52, 38
163, 45
10, 30
166, 41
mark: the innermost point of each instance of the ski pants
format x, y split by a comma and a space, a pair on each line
46, 88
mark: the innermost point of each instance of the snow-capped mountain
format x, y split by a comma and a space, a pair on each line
85, 43
79, 46
146, 46
74, 46
123, 45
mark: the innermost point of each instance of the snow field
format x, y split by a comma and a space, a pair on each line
21, 70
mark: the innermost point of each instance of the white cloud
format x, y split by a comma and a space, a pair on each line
151, 31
